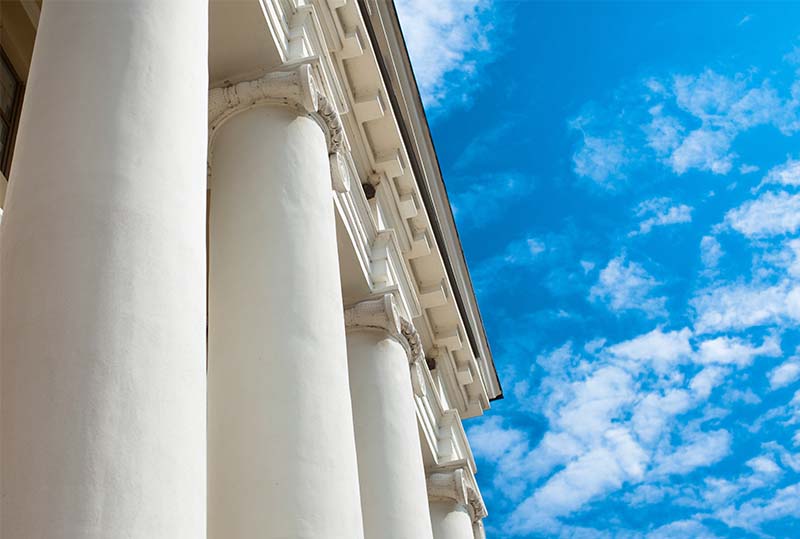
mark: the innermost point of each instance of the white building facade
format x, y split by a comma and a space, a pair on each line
233, 301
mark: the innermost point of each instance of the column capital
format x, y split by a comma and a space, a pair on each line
458, 485
382, 313
297, 88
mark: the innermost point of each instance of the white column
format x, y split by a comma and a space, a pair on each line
451, 520
391, 473
455, 505
102, 277
282, 460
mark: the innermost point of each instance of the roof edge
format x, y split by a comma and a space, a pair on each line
440, 215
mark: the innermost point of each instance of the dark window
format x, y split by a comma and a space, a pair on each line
10, 101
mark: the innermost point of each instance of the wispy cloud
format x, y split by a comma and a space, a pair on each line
613, 415
735, 351
785, 373
624, 285
660, 211
769, 215
752, 514
710, 251
665, 385
486, 197
725, 106
448, 41
518, 254
787, 173
685, 121
738, 306
600, 159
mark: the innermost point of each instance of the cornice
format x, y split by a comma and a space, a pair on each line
426, 212
296, 88
456, 485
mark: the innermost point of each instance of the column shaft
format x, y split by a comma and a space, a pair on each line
282, 458
451, 520
391, 473
102, 277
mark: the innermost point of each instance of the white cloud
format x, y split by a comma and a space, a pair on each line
491, 439
737, 395
582, 480
625, 285
447, 42
708, 96
594, 345
683, 529
710, 251
601, 159
770, 214
691, 122
785, 373
735, 351
506, 446
706, 380
747, 169
737, 306
724, 106
787, 173
788, 459
763, 464
648, 494
655, 412
615, 419
702, 449
585, 408
659, 349
752, 514
727, 103
664, 133
791, 257
704, 149
764, 471
660, 211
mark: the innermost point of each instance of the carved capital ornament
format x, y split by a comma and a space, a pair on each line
455, 485
382, 313
296, 88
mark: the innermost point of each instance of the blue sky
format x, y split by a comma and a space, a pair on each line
626, 181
